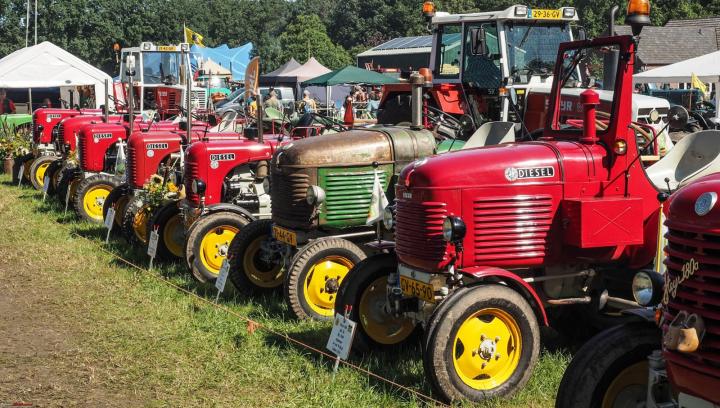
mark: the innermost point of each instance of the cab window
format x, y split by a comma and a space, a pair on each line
481, 65
449, 51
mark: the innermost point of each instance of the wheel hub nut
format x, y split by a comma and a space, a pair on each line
331, 285
487, 349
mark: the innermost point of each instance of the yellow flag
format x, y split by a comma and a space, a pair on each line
698, 84
193, 38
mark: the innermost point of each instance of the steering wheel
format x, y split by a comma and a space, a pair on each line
330, 123
440, 118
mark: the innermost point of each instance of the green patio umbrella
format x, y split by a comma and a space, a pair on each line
350, 75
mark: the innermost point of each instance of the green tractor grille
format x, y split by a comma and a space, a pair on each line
348, 194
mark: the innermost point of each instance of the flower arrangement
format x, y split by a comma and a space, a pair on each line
156, 192
14, 142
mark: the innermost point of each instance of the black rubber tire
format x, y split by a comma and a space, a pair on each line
239, 276
54, 171
602, 359
66, 179
204, 225
19, 162
34, 168
365, 275
439, 366
97, 180
134, 206
119, 197
160, 218
301, 264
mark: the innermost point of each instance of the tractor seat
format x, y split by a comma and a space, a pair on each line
272, 115
694, 156
492, 133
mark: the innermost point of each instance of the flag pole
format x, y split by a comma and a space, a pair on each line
185, 32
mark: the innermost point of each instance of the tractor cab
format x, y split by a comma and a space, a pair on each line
478, 59
160, 75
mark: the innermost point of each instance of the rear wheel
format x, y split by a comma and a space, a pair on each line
91, 194
171, 231
611, 370
118, 198
208, 242
38, 170
256, 259
484, 345
365, 289
315, 275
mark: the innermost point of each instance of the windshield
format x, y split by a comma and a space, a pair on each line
448, 51
123, 69
532, 48
161, 68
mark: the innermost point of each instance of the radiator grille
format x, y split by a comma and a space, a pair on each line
349, 195
418, 230
288, 194
191, 173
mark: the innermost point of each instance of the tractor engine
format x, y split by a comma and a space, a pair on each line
148, 152
97, 146
338, 171
691, 286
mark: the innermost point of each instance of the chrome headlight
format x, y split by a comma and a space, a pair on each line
388, 218
647, 287
315, 195
453, 229
198, 187
654, 116
568, 12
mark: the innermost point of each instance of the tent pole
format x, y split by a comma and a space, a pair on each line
30, 100
327, 100
717, 100
27, 23
35, 24
107, 100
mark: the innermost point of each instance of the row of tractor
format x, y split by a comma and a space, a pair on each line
517, 194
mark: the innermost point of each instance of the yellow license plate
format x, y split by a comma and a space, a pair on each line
546, 14
166, 48
286, 236
413, 288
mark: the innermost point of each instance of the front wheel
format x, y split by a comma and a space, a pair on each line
53, 172
135, 223
91, 194
256, 263
171, 231
485, 344
610, 370
118, 198
38, 170
208, 242
365, 289
315, 275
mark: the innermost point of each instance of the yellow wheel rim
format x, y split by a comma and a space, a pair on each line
173, 235
487, 349
40, 173
94, 200
628, 388
139, 224
259, 271
214, 247
322, 281
120, 207
381, 326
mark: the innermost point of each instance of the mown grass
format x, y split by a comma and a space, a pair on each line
166, 348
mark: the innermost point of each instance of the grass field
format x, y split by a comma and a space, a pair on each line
85, 329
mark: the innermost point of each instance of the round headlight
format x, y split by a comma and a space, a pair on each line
315, 195
654, 116
453, 229
388, 218
647, 288
198, 187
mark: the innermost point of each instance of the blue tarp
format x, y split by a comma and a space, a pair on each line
234, 59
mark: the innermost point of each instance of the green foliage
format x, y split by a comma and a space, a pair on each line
337, 30
14, 142
306, 37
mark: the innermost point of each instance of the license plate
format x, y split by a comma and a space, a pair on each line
546, 14
166, 48
284, 235
413, 288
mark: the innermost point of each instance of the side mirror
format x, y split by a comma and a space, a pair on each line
581, 33
478, 44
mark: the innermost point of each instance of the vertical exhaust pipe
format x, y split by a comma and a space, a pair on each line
611, 59
107, 100
188, 106
416, 82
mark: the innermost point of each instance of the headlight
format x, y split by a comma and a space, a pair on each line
654, 116
388, 218
568, 12
521, 11
198, 187
647, 287
315, 195
453, 229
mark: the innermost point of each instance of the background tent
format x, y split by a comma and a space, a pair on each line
46, 65
279, 74
347, 76
705, 67
310, 69
235, 59
291, 77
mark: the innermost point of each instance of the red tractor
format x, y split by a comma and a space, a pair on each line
491, 241
670, 356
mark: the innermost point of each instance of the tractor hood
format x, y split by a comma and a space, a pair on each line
686, 205
514, 164
383, 145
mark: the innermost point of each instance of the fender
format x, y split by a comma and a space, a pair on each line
511, 279
220, 207
646, 314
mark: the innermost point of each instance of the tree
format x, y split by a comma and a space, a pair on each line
307, 37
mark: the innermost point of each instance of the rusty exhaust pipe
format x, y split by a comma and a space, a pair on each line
416, 81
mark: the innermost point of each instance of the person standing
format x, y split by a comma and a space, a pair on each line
310, 105
273, 101
6, 104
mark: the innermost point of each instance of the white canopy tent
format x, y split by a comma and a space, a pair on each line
46, 65
705, 67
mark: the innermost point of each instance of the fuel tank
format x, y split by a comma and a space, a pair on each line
344, 166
